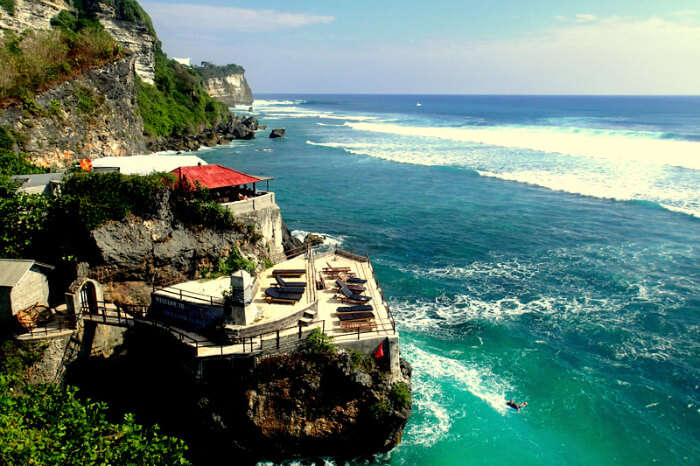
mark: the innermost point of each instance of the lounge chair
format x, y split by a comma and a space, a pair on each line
281, 282
350, 279
330, 268
290, 289
288, 272
354, 288
350, 297
358, 308
357, 316
274, 296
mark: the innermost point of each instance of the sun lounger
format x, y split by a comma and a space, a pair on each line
350, 279
354, 288
288, 272
289, 289
358, 308
356, 316
283, 283
348, 296
274, 296
330, 268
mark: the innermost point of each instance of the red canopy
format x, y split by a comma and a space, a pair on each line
214, 176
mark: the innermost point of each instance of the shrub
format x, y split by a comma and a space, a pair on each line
380, 409
54, 110
9, 6
6, 139
361, 361
267, 262
318, 342
47, 424
400, 395
16, 164
233, 263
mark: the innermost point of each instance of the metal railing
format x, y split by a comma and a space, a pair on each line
214, 301
55, 326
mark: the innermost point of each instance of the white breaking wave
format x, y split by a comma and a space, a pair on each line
615, 145
430, 372
329, 240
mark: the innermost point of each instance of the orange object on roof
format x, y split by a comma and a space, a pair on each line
213, 176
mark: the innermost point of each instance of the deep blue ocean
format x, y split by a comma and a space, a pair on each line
545, 249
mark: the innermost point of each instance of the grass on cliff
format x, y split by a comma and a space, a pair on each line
176, 105
37, 60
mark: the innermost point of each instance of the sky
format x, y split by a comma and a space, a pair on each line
443, 46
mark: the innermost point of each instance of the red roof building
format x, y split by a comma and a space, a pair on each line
214, 176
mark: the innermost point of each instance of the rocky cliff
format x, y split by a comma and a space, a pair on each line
92, 115
225, 83
31, 14
134, 33
232, 90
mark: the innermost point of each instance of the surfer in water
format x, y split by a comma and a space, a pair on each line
515, 405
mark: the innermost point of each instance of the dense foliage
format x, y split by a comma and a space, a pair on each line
177, 104
48, 424
195, 206
36, 60
209, 70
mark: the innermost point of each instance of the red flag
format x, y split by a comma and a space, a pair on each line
86, 164
380, 351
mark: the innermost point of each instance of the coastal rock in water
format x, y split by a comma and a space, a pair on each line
314, 239
278, 133
289, 242
241, 131
251, 122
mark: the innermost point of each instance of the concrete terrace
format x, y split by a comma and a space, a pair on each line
280, 327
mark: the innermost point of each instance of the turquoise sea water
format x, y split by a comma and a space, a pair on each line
544, 249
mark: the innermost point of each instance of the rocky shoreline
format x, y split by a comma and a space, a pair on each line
232, 129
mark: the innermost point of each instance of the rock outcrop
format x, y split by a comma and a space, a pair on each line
232, 89
92, 115
277, 133
234, 128
133, 35
31, 14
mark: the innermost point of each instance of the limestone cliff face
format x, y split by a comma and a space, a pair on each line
232, 89
135, 36
31, 14
93, 115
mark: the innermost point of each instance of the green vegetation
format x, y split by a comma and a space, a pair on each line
16, 356
130, 10
195, 206
361, 361
380, 409
209, 70
267, 262
48, 424
54, 110
177, 104
36, 60
233, 263
9, 6
318, 342
400, 395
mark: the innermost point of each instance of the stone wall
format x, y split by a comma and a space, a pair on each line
65, 129
268, 221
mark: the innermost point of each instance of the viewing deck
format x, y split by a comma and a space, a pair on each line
283, 326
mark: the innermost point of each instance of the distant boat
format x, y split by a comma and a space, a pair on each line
418, 104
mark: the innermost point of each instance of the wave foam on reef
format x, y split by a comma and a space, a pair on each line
632, 146
430, 373
329, 240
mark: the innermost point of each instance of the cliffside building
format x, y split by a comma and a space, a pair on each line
23, 284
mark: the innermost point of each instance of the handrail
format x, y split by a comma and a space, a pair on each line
214, 301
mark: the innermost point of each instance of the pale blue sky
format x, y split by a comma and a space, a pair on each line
443, 46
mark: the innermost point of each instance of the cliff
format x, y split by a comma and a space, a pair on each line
226, 84
134, 31
94, 114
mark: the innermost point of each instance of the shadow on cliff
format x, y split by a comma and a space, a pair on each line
288, 406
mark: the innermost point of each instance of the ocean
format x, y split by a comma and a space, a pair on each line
540, 248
